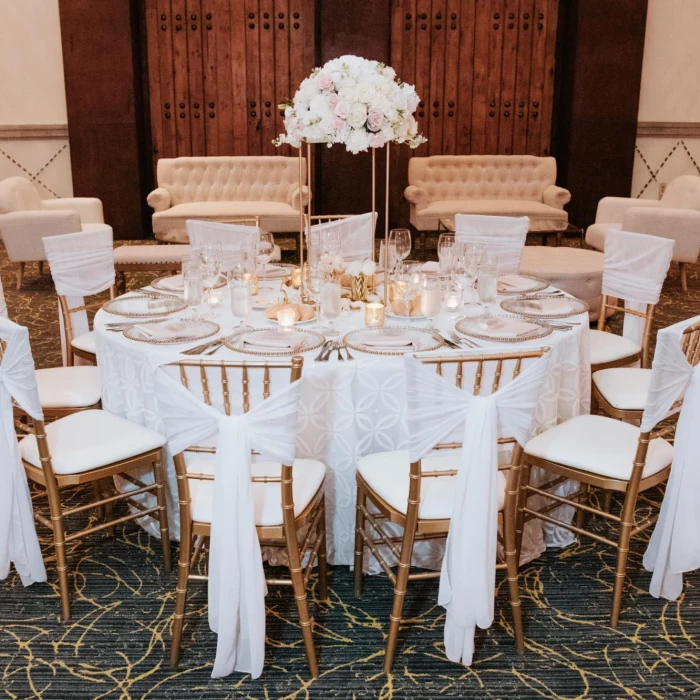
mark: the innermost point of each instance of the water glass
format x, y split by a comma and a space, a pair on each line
430, 298
192, 288
445, 250
453, 299
488, 281
330, 306
241, 300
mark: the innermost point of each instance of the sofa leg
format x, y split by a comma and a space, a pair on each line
684, 276
20, 274
41, 267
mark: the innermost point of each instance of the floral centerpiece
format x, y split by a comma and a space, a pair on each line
353, 101
359, 272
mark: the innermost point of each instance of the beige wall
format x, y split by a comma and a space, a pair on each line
670, 93
33, 94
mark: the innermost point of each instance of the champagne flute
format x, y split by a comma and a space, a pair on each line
266, 246
401, 240
330, 307
430, 299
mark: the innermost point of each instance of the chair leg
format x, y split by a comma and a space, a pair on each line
162, 513
322, 563
41, 267
107, 487
359, 542
580, 513
183, 572
121, 282
684, 276
607, 501
97, 494
305, 620
511, 556
20, 274
59, 543
404, 569
623, 545
525, 470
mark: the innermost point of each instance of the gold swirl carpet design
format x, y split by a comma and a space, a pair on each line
117, 643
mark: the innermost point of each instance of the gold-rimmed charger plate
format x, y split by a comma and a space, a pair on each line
532, 285
144, 305
174, 284
544, 307
425, 339
473, 328
235, 342
193, 329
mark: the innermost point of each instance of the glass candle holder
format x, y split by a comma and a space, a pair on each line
374, 315
252, 281
286, 318
296, 278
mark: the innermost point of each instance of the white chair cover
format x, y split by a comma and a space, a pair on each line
435, 408
356, 235
3, 303
82, 264
634, 269
231, 236
674, 547
503, 236
18, 541
237, 586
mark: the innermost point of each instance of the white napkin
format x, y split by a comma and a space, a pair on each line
272, 272
172, 328
512, 283
547, 306
175, 283
275, 340
507, 327
388, 340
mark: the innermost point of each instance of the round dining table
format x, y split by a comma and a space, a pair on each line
348, 408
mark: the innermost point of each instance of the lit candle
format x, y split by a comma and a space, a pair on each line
374, 315
286, 317
252, 281
296, 277
453, 300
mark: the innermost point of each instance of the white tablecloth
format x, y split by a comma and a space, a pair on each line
348, 409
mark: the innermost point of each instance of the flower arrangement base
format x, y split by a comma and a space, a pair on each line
358, 288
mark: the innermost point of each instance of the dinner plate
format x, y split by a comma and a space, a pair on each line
418, 340
311, 341
173, 331
545, 307
144, 305
520, 284
503, 329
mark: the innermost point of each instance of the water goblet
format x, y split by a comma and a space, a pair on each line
266, 246
430, 299
330, 307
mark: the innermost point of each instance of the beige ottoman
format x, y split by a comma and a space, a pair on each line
147, 258
578, 272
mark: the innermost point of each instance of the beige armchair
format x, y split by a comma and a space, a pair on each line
225, 188
676, 215
439, 187
25, 219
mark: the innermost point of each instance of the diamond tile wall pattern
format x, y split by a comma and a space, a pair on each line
658, 160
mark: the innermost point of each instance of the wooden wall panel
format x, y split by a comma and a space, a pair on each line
521, 98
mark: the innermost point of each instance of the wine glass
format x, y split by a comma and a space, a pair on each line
241, 300
266, 246
400, 238
211, 255
445, 250
330, 242
330, 306
407, 279
430, 299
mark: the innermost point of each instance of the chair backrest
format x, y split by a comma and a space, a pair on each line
356, 234
18, 194
503, 236
483, 176
231, 236
634, 269
230, 178
82, 264
683, 192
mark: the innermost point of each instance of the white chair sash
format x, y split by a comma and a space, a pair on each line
237, 586
435, 408
356, 235
18, 540
674, 547
82, 264
634, 269
503, 236
231, 236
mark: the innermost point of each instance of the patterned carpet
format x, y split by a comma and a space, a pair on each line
117, 643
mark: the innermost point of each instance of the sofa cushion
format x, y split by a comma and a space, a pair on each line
541, 215
595, 234
150, 254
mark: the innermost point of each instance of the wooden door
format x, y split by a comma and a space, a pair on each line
218, 69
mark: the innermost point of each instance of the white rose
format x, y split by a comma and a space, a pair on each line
357, 141
368, 268
358, 115
308, 88
354, 268
388, 132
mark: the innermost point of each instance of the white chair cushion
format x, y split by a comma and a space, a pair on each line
494, 207
147, 254
85, 342
308, 478
69, 387
87, 440
608, 347
388, 475
599, 445
625, 388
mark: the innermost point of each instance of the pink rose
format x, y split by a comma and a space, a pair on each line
375, 120
325, 82
376, 140
342, 109
333, 99
339, 123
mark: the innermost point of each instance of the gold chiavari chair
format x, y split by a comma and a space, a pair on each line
384, 479
91, 447
297, 490
609, 454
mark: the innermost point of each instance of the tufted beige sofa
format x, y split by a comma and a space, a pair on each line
441, 186
226, 187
